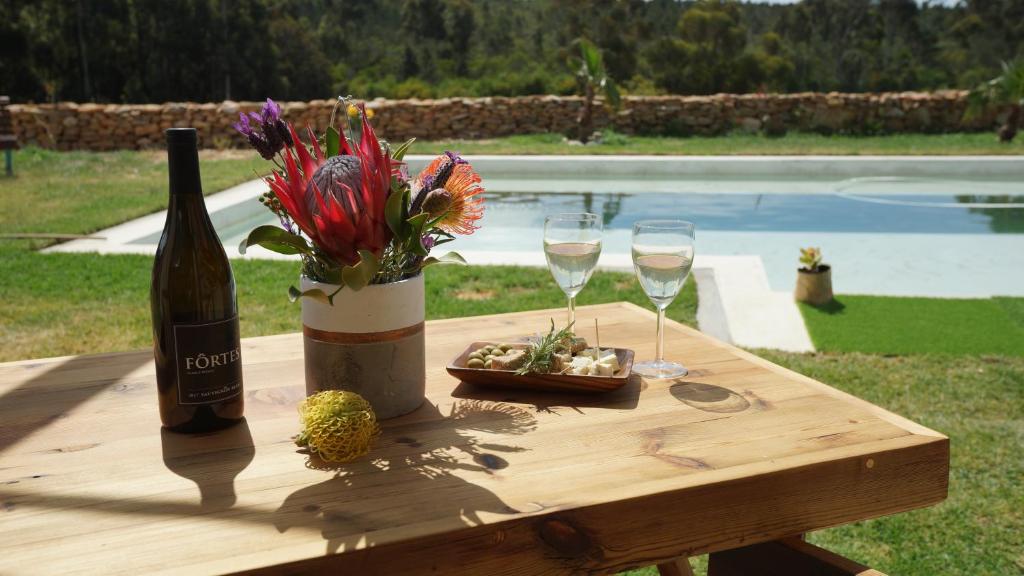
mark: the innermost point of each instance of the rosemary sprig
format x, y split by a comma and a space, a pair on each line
541, 353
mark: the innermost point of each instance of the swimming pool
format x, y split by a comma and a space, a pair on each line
882, 235
924, 226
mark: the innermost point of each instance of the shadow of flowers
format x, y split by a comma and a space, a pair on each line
421, 470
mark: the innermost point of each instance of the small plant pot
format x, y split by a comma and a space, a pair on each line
814, 287
369, 342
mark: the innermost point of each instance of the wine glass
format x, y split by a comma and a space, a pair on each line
662, 257
572, 245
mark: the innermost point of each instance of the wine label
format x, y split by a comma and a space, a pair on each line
209, 361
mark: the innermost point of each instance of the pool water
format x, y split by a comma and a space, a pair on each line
882, 236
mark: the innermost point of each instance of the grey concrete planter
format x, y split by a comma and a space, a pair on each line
369, 342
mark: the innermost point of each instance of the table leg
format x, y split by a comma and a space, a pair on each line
786, 557
677, 567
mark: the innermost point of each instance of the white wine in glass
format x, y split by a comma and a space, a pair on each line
662, 257
572, 246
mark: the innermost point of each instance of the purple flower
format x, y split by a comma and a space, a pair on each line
271, 111
428, 242
287, 225
403, 172
454, 157
266, 131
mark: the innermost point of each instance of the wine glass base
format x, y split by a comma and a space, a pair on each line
659, 369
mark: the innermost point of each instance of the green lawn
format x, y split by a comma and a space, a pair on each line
56, 304
81, 192
885, 325
737, 144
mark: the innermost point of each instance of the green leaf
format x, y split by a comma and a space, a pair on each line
449, 258
591, 57
332, 275
611, 93
275, 239
399, 152
333, 142
358, 276
294, 294
414, 241
394, 211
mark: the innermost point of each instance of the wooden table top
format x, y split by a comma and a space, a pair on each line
476, 481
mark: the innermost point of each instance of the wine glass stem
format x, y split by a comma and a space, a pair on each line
661, 335
572, 310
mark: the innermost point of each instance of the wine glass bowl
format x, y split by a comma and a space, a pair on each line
572, 247
663, 252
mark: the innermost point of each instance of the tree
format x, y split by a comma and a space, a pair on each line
708, 55
1005, 90
591, 76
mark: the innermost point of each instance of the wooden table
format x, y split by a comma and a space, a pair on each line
739, 452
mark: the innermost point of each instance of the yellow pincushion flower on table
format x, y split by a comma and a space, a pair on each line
337, 425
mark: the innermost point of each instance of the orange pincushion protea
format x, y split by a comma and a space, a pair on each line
455, 176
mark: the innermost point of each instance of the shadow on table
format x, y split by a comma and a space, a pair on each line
41, 401
212, 461
625, 398
418, 472
708, 397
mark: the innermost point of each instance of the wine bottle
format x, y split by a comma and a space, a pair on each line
195, 314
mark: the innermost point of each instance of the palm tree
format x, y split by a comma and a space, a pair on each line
1005, 90
591, 76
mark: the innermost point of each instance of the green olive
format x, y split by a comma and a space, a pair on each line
487, 364
476, 355
475, 363
506, 347
489, 357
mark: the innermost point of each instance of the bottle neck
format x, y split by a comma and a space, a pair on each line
183, 170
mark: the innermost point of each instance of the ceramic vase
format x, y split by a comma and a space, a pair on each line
370, 341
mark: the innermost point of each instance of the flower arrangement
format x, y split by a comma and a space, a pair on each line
347, 206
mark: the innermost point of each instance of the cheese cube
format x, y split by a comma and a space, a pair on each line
608, 357
580, 365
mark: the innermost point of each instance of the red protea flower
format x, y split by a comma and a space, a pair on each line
450, 189
338, 202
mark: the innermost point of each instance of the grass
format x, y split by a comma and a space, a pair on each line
57, 304
886, 325
738, 144
81, 192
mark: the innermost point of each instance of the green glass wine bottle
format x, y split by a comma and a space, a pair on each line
195, 314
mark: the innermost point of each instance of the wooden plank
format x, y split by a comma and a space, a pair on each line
476, 481
790, 557
677, 567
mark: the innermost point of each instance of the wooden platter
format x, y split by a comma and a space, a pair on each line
543, 382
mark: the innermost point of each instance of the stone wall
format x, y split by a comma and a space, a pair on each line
117, 126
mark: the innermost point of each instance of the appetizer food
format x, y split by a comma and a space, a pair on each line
557, 352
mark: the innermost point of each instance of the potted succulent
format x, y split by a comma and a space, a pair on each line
364, 231
814, 279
